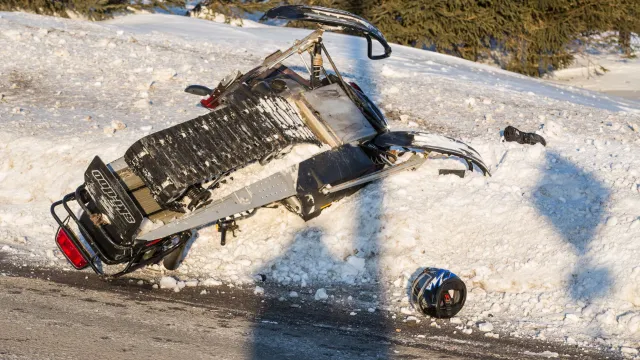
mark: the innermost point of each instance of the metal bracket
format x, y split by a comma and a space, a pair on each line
412, 162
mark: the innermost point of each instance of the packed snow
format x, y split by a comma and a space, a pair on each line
548, 246
485, 326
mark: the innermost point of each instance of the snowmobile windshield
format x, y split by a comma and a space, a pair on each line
333, 17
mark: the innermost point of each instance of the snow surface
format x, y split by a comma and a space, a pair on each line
548, 246
600, 67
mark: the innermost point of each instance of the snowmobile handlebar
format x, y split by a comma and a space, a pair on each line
333, 17
387, 49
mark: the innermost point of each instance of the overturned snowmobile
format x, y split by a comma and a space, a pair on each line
142, 207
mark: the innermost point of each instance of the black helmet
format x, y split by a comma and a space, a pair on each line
438, 293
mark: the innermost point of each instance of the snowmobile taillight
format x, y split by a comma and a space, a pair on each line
210, 103
69, 249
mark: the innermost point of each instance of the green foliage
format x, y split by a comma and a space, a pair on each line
91, 9
231, 9
527, 36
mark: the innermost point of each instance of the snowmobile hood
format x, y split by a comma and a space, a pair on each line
333, 17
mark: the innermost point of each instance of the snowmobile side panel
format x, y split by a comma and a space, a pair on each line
333, 17
344, 119
318, 127
229, 138
112, 200
330, 167
276, 187
417, 141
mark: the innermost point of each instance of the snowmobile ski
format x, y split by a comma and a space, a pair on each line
416, 141
333, 17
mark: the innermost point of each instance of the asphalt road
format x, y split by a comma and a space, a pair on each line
47, 314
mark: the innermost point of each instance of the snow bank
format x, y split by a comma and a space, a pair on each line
547, 246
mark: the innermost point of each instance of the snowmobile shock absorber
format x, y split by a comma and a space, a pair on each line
316, 61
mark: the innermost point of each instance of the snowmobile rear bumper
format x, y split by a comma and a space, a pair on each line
98, 247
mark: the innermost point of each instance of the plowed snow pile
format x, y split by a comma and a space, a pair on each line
548, 246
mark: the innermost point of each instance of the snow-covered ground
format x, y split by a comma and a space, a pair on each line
601, 67
548, 246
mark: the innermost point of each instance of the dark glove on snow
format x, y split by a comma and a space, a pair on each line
513, 134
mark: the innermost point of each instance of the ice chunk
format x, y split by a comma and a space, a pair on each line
485, 326
168, 282
212, 282
406, 311
321, 294
544, 354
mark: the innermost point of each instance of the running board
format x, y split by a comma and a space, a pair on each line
413, 162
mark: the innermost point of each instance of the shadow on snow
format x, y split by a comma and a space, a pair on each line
574, 201
367, 222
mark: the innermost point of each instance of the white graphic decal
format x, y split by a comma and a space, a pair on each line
110, 194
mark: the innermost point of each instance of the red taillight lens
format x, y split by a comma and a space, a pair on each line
69, 250
210, 102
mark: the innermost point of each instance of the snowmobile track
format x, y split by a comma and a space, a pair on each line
171, 160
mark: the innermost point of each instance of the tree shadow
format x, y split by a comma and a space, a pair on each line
574, 201
367, 224
274, 344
